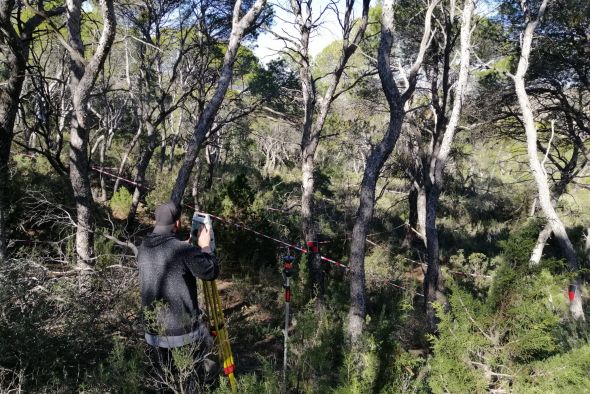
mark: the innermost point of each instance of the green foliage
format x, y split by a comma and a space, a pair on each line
315, 349
123, 369
504, 329
451, 368
266, 383
378, 264
58, 336
477, 267
239, 195
103, 248
499, 341
160, 190
565, 373
274, 84
359, 371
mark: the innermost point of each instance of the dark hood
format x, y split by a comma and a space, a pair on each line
153, 240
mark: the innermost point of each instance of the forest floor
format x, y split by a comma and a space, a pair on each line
253, 323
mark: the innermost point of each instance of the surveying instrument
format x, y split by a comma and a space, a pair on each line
213, 304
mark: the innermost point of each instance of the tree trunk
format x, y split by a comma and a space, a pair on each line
537, 253
212, 153
9, 96
174, 142
310, 233
416, 216
126, 157
162, 153
103, 183
539, 174
412, 218
81, 187
375, 161
432, 284
82, 78
312, 131
587, 245
545, 234
195, 188
206, 118
357, 311
10, 91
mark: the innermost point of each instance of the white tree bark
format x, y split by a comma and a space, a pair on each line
312, 128
432, 286
539, 174
537, 253
83, 75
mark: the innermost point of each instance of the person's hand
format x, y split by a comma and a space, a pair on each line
204, 239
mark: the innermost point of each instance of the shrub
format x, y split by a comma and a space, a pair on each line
121, 203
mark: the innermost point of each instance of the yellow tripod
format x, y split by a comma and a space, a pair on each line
215, 312
214, 307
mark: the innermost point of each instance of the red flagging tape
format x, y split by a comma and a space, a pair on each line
287, 295
238, 225
571, 293
244, 227
101, 170
229, 369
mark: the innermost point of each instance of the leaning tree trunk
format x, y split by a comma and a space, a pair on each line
542, 239
546, 232
568, 173
83, 75
239, 27
539, 174
206, 118
357, 311
432, 284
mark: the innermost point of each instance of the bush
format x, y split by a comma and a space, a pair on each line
496, 343
565, 373
121, 203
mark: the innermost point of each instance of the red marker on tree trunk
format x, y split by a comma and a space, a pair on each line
313, 246
571, 293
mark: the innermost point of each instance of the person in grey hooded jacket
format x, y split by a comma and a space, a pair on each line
168, 269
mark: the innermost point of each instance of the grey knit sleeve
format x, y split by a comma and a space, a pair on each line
201, 265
